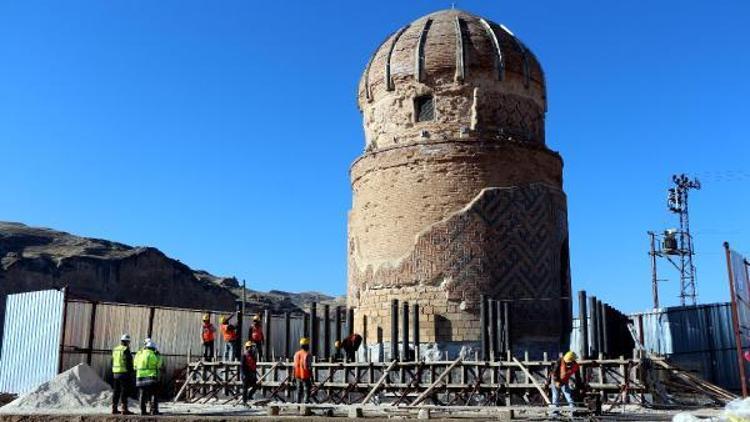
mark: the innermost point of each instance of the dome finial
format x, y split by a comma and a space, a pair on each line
453, 5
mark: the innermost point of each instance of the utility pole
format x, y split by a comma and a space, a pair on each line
654, 279
677, 201
676, 245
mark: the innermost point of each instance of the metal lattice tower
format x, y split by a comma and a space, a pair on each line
676, 245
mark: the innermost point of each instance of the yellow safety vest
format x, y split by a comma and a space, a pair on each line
118, 360
147, 364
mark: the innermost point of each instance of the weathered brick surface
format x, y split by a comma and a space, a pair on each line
470, 203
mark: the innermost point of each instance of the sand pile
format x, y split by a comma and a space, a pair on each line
76, 388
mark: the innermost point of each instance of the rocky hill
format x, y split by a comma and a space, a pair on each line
33, 258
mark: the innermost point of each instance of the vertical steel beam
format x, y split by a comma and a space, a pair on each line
314, 329
506, 328
287, 335
483, 322
415, 333
605, 330
268, 335
238, 307
494, 340
327, 332
599, 330
405, 332
594, 337
92, 323
350, 321
337, 329
583, 324
394, 329
62, 330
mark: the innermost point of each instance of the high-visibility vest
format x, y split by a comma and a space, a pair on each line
119, 365
208, 333
301, 370
147, 364
229, 332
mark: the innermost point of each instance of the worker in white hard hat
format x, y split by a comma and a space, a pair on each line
249, 371
148, 364
565, 369
122, 374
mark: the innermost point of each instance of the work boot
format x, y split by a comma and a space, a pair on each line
114, 410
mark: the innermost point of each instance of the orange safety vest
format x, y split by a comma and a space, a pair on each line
229, 332
207, 334
301, 370
256, 334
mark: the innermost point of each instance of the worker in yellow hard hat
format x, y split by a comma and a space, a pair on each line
303, 370
207, 338
563, 370
230, 335
256, 335
249, 374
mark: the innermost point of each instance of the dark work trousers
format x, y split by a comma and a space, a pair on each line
121, 387
208, 351
303, 390
149, 395
249, 379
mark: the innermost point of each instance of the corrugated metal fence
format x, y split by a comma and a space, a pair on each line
87, 331
698, 338
30, 347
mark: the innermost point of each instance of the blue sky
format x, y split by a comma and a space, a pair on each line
222, 132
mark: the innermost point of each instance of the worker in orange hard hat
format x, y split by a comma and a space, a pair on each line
249, 374
256, 335
207, 338
303, 370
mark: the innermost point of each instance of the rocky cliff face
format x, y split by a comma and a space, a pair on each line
37, 258
33, 258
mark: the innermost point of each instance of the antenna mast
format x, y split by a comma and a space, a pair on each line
676, 245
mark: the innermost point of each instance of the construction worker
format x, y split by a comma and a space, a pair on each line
148, 364
303, 370
122, 373
350, 345
256, 335
207, 338
229, 332
562, 371
249, 374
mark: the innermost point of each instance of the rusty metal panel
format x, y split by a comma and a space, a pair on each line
30, 357
114, 320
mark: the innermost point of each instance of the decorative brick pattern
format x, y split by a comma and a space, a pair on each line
508, 244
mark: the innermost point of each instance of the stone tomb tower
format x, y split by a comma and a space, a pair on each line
456, 194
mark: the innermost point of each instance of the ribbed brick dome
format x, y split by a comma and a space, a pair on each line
463, 63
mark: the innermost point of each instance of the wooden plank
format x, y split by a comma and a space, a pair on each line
528, 375
432, 386
379, 383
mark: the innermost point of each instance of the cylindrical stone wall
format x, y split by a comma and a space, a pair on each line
466, 202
